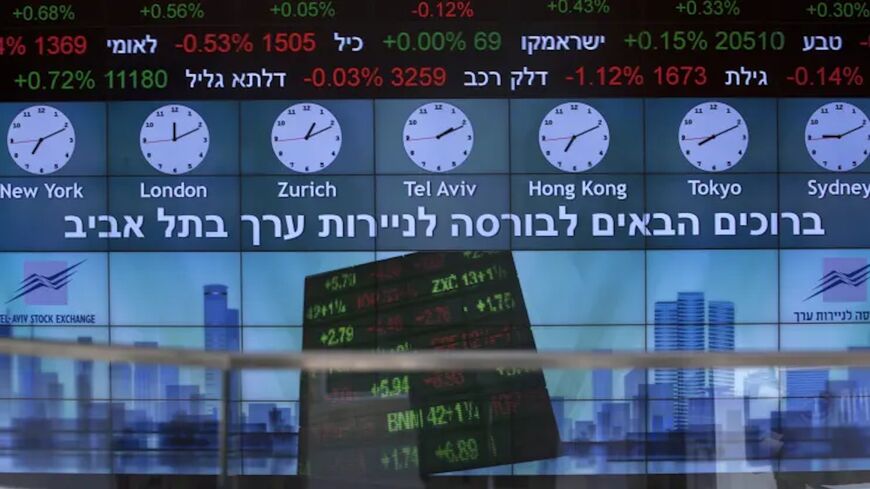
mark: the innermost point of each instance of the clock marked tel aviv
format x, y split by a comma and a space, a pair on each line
438, 137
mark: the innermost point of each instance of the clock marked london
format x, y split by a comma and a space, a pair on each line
714, 137
438, 137
306, 137
41, 140
174, 139
574, 137
838, 137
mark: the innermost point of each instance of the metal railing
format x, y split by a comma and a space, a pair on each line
417, 362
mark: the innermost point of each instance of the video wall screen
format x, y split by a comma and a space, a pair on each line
283, 176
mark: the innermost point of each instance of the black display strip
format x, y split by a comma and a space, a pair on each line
271, 49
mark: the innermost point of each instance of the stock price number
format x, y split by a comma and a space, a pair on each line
458, 451
495, 303
391, 387
373, 77
341, 335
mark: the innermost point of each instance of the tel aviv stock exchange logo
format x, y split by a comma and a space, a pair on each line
45, 283
843, 280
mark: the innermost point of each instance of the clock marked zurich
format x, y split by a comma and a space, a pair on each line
838, 137
714, 137
438, 137
574, 137
306, 137
41, 139
174, 139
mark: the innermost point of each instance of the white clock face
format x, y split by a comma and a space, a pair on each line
41, 139
574, 137
438, 137
174, 139
838, 137
306, 138
714, 137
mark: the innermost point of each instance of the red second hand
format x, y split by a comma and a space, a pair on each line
558, 139
695, 139
289, 139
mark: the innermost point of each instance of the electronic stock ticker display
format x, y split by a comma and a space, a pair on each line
440, 421
405, 175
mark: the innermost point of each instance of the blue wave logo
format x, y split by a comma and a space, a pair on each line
835, 278
53, 282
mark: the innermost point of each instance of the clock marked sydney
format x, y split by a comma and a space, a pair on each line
574, 137
438, 137
714, 137
41, 140
838, 137
174, 139
306, 137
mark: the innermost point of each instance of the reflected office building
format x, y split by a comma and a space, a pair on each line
690, 324
157, 418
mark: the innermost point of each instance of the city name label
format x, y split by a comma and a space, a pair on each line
442, 189
838, 188
51, 191
585, 189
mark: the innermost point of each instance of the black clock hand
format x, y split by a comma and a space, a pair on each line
451, 130
318, 132
308, 134
174, 133
42, 139
448, 131
719, 134
55, 133
574, 137
188, 133
571, 142
841, 136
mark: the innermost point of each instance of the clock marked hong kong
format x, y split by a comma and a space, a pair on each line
306, 137
41, 140
438, 137
714, 137
574, 137
174, 139
838, 137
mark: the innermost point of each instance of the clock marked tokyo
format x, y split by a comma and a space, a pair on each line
174, 139
306, 137
838, 137
438, 137
714, 137
41, 140
586, 132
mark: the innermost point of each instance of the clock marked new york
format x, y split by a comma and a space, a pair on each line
838, 137
41, 140
438, 137
306, 137
714, 137
174, 139
574, 137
